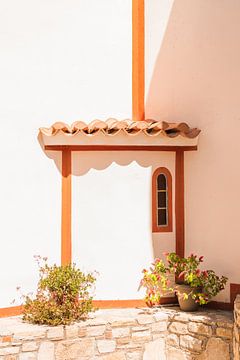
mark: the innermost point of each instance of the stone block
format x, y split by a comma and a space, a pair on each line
178, 328
106, 346
173, 340
173, 353
71, 331
132, 346
33, 333
46, 351
95, 321
140, 328
55, 333
182, 317
158, 335
225, 324
190, 343
82, 331
216, 349
223, 332
123, 321
120, 332
200, 328
123, 341
96, 330
236, 333
159, 326
155, 350
145, 319
11, 350
74, 349
108, 333
114, 356
134, 355
160, 316
28, 356
9, 357
141, 336
29, 346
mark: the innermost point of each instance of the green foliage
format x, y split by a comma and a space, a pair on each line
156, 281
63, 295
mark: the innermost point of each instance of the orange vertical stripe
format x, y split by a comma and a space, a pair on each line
179, 203
138, 81
66, 245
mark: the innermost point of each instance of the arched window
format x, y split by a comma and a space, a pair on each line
162, 200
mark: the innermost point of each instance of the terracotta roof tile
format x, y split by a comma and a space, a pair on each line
112, 127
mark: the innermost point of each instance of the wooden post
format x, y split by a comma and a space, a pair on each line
66, 244
138, 60
179, 203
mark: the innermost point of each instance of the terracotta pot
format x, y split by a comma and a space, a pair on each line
180, 280
186, 304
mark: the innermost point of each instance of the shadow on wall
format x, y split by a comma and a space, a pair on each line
93, 160
136, 177
196, 79
195, 70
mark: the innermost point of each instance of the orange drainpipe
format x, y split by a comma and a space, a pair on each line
138, 73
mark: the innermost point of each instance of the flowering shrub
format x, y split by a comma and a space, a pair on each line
206, 284
155, 281
62, 295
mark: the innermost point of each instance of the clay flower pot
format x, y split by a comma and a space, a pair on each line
186, 304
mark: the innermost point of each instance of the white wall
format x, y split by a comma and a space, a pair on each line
60, 60
195, 77
112, 226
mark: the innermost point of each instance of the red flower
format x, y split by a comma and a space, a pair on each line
201, 258
198, 272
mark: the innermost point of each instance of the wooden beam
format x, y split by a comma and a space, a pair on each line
179, 203
118, 148
66, 243
138, 76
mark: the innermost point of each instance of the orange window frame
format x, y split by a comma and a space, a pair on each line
155, 226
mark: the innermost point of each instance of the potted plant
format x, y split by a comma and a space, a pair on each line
192, 286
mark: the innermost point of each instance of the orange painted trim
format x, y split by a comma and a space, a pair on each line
155, 226
138, 73
66, 226
234, 291
114, 304
118, 148
100, 304
11, 311
179, 203
120, 304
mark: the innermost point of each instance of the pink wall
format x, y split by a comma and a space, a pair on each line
196, 78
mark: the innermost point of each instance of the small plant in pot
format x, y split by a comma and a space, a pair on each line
192, 286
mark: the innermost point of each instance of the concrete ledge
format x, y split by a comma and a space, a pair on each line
123, 334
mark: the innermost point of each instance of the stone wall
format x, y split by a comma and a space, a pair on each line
236, 337
126, 334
